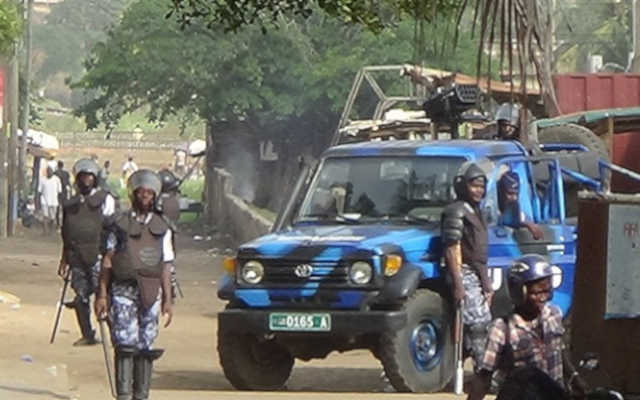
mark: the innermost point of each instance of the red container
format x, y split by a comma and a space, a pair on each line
581, 92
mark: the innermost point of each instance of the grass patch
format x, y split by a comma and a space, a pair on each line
192, 188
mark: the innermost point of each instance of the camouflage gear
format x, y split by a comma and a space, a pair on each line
476, 316
133, 325
84, 281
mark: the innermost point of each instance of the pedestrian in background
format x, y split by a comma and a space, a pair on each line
50, 189
128, 168
65, 181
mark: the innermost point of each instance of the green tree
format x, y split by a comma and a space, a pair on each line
525, 22
10, 25
66, 37
586, 27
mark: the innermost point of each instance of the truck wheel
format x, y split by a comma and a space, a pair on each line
574, 134
419, 357
252, 364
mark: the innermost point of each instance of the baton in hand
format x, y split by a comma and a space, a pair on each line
458, 382
107, 359
59, 311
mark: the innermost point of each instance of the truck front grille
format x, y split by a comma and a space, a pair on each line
284, 271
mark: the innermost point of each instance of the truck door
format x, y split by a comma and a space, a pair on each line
538, 201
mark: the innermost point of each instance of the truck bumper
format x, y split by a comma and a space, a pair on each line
342, 322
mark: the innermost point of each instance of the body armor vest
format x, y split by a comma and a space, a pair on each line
170, 206
82, 228
141, 258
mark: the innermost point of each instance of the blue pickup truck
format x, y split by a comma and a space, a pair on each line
355, 262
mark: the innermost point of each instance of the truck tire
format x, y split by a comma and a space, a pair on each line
251, 364
574, 134
419, 357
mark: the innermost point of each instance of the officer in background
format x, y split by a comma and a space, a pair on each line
168, 205
508, 119
83, 216
526, 349
509, 207
135, 279
464, 234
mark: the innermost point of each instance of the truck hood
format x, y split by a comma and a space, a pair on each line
416, 243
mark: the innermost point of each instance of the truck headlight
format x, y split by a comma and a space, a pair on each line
360, 272
252, 272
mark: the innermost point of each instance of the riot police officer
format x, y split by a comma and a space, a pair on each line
83, 216
169, 206
508, 119
464, 234
135, 277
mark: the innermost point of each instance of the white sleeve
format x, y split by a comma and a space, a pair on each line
168, 254
108, 206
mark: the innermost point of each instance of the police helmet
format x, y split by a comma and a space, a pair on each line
526, 269
468, 172
509, 181
509, 112
144, 178
87, 166
169, 181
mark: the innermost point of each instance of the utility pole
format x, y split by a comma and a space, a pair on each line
22, 156
3, 151
12, 159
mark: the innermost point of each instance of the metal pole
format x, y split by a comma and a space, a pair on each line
3, 154
22, 156
12, 91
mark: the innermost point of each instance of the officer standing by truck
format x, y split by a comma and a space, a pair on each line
464, 235
135, 280
169, 206
83, 216
527, 348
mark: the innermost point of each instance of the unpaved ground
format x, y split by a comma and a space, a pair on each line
31, 368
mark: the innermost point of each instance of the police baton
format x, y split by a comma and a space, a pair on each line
59, 311
458, 381
107, 360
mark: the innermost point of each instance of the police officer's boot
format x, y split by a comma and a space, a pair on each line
83, 314
124, 360
142, 372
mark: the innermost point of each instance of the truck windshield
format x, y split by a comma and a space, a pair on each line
353, 189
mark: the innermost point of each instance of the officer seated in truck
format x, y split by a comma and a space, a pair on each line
510, 213
508, 119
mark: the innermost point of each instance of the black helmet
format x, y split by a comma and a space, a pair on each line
144, 178
169, 181
526, 269
509, 112
86, 165
468, 172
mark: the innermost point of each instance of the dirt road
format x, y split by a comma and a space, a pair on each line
31, 368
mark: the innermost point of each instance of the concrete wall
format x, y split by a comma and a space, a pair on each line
230, 213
